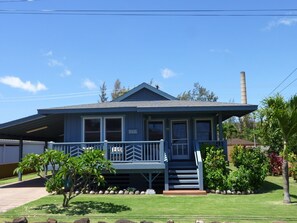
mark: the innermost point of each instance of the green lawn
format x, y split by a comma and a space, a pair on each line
266, 206
15, 178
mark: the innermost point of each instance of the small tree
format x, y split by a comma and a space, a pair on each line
282, 116
70, 175
199, 93
118, 90
103, 95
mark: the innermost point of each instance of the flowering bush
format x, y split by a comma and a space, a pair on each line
276, 162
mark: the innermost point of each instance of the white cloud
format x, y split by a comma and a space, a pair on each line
16, 82
281, 22
167, 73
66, 72
49, 54
55, 63
89, 84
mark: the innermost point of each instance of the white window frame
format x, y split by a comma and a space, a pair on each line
83, 126
114, 117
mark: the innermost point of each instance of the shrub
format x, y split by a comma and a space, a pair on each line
215, 169
254, 161
239, 180
275, 167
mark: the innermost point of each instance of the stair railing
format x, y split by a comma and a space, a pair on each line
199, 165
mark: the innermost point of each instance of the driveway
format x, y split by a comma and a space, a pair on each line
20, 193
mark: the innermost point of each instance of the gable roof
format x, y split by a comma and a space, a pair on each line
155, 93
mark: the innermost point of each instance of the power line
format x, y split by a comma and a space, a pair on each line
289, 75
288, 85
158, 12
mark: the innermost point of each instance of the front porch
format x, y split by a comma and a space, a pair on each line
148, 158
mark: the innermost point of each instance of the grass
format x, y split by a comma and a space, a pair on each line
15, 179
266, 206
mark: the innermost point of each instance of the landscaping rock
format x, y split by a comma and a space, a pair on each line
82, 220
229, 192
126, 192
233, 192
170, 221
124, 221
100, 192
199, 221
92, 192
111, 192
137, 192
218, 191
106, 192
51, 220
20, 220
77, 192
150, 192
121, 192
142, 193
131, 192
239, 192
212, 191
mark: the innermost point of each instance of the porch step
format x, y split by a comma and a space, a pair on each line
184, 192
183, 171
187, 181
184, 186
183, 175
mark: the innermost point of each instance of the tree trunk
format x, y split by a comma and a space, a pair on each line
285, 169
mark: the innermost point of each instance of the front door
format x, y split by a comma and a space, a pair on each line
179, 140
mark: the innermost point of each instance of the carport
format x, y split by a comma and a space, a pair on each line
34, 128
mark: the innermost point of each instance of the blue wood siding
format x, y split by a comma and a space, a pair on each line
145, 95
134, 127
72, 128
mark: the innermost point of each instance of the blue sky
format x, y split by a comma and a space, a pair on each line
56, 60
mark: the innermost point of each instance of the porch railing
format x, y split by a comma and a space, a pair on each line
118, 152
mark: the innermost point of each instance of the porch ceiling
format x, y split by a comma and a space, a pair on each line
35, 127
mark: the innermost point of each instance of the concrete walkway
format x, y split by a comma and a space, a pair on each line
20, 193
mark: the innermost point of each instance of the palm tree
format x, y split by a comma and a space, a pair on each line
286, 115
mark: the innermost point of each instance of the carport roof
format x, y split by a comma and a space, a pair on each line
36, 127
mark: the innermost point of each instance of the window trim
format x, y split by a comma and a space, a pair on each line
83, 127
122, 127
211, 127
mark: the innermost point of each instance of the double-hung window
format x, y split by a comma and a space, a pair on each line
92, 129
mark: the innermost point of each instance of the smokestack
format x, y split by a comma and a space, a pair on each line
243, 88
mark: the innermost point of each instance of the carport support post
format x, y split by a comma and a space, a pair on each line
44, 149
21, 149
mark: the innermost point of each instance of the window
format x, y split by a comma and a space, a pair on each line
113, 129
155, 130
203, 130
92, 127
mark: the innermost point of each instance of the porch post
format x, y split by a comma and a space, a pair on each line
105, 149
150, 180
220, 127
21, 149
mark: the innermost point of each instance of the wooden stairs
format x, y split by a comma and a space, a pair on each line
184, 192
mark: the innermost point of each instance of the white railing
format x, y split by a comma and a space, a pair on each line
118, 152
199, 165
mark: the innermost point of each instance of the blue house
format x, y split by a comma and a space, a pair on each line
150, 136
